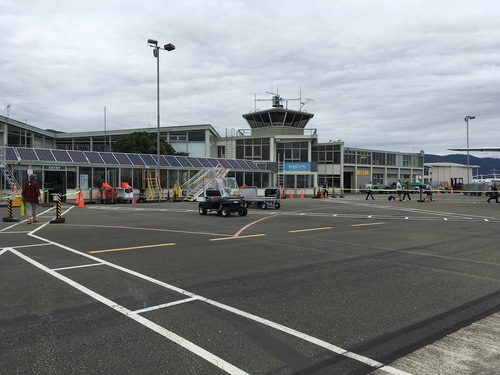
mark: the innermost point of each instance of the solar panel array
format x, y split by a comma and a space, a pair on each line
111, 158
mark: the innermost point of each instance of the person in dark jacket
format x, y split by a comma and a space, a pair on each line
493, 193
31, 198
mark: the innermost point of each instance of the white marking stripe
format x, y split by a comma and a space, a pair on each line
291, 331
213, 359
367, 224
82, 266
157, 307
236, 237
308, 230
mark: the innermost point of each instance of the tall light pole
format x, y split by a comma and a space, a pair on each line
467, 118
156, 53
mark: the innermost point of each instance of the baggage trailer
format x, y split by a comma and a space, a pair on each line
271, 197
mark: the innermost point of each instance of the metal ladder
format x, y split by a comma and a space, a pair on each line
7, 174
153, 188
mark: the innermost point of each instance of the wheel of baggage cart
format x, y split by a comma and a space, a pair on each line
277, 205
263, 205
226, 211
245, 204
243, 211
202, 210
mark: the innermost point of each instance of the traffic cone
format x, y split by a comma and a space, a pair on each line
80, 200
438, 192
291, 194
14, 191
77, 199
451, 190
133, 200
302, 194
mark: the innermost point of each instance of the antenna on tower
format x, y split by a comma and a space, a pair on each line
7, 108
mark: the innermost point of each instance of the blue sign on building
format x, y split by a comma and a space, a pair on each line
297, 167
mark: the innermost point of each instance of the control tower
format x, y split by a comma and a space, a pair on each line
278, 120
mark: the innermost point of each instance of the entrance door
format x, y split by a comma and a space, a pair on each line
348, 182
55, 183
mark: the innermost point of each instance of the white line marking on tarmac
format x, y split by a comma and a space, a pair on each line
162, 306
200, 351
213, 359
366, 224
82, 266
237, 237
308, 230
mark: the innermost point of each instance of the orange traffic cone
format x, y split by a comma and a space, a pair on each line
451, 190
438, 192
291, 194
14, 191
80, 200
77, 199
133, 200
302, 194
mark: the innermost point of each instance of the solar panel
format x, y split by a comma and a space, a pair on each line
164, 162
252, 165
78, 156
26, 154
172, 161
135, 159
224, 163
184, 161
44, 154
234, 165
195, 162
149, 160
94, 157
123, 159
62, 156
10, 154
108, 158
241, 164
213, 162
205, 162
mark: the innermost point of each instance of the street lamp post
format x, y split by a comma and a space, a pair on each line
156, 53
467, 118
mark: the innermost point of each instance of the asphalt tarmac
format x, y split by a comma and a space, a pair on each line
320, 286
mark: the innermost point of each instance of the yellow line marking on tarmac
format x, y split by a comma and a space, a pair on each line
308, 230
364, 225
236, 237
131, 248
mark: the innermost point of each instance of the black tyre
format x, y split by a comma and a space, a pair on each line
243, 211
226, 211
202, 210
263, 206
277, 205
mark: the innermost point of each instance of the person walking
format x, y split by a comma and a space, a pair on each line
369, 190
399, 189
406, 192
428, 191
31, 198
493, 193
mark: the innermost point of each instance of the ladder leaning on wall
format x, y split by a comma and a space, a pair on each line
8, 181
153, 187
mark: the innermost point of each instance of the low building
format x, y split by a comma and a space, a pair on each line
278, 149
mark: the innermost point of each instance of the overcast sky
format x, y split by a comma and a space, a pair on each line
387, 75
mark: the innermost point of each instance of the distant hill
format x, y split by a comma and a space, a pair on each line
487, 166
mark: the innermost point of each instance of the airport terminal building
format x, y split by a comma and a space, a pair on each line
277, 149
